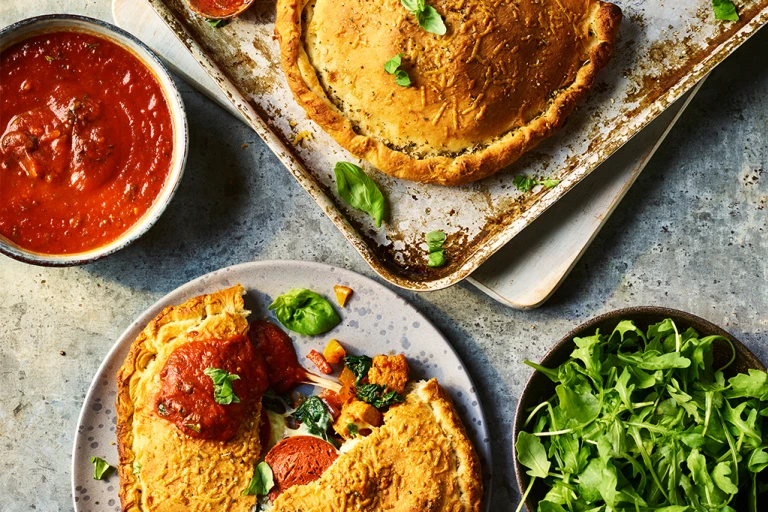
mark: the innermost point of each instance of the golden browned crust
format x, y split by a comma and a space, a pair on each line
503, 78
420, 459
172, 465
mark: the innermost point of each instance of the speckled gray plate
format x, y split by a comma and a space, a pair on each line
375, 321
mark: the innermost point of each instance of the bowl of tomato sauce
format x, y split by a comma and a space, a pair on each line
93, 139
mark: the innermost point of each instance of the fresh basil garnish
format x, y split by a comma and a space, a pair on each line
262, 481
223, 392
100, 468
374, 394
392, 66
426, 15
435, 241
359, 365
216, 23
352, 429
526, 183
359, 191
315, 416
725, 10
305, 312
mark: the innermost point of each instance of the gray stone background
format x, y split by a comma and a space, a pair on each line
691, 234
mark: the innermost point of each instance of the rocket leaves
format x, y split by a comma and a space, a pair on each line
642, 420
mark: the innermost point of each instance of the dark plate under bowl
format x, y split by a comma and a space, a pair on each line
540, 388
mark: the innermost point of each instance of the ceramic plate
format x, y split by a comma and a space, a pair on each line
375, 321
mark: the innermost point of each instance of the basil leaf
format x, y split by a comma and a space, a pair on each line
413, 5
223, 392
431, 21
359, 365
262, 481
374, 394
392, 64
359, 191
549, 183
531, 454
315, 416
100, 468
352, 429
725, 10
216, 23
402, 79
305, 312
526, 183
435, 241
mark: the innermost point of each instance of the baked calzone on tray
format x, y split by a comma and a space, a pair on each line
207, 420
503, 76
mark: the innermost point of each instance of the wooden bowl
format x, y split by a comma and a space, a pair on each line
540, 388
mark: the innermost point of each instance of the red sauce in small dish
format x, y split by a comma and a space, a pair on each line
86, 142
186, 397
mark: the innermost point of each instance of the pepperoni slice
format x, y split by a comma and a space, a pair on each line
297, 461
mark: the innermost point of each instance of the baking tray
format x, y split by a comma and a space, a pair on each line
664, 48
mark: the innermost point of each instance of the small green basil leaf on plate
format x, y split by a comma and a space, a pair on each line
359, 191
402, 79
430, 20
100, 468
392, 64
305, 312
436, 259
725, 10
262, 481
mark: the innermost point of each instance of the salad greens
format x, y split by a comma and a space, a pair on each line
262, 481
360, 191
725, 10
392, 66
223, 392
305, 312
642, 421
315, 416
359, 365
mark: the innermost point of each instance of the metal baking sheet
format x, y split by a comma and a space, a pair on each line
664, 48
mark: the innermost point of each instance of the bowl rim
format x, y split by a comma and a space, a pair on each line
661, 311
180, 133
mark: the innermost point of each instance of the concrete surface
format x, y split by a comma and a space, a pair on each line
691, 234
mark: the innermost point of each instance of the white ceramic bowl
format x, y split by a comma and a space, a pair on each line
21, 30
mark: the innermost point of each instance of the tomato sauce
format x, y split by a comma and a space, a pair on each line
218, 8
186, 396
283, 366
86, 142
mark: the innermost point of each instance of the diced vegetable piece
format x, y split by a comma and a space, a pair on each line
322, 365
362, 415
390, 371
334, 352
342, 294
347, 377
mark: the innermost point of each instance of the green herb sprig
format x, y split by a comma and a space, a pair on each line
392, 66
305, 312
374, 394
725, 10
100, 468
643, 421
262, 481
426, 15
435, 241
223, 392
314, 414
526, 183
359, 191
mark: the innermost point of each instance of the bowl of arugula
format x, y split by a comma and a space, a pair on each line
644, 408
